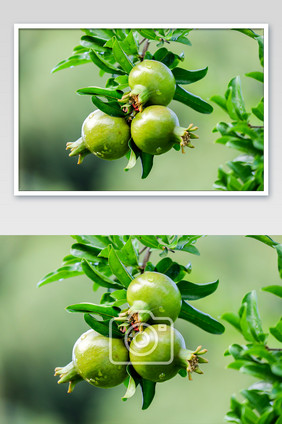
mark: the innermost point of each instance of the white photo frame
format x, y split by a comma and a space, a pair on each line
151, 193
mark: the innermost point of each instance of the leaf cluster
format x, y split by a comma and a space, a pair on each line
111, 262
246, 172
262, 401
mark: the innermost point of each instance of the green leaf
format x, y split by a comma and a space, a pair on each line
260, 351
103, 327
121, 57
92, 308
105, 34
248, 416
237, 98
278, 248
259, 76
186, 243
148, 392
97, 43
232, 417
277, 331
261, 371
118, 269
85, 251
258, 111
172, 269
97, 276
232, 319
110, 108
277, 369
105, 92
250, 319
199, 318
248, 32
183, 76
147, 164
191, 100
133, 381
102, 64
128, 254
61, 273
130, 45
264, 239
150, 241
220, 101
96, 241
192, 291
75, 60
258, 400
132, 155
148, 33
274, 289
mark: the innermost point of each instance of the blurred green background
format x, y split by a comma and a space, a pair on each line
51, 113
37, 335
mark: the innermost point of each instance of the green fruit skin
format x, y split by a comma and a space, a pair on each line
157, 293
91, 359
157, 78
152, 129
161, 344
105, 136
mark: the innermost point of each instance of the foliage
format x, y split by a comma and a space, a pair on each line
116, 52
247, 170
111, 262
262, 402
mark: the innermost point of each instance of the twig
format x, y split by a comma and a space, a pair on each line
145, 259
145, 48
273, 349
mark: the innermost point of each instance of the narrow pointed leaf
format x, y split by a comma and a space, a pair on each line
192, 291
118, 268
75, 60
105, 92
253, 318
274, 289
232, 319
103, 327
183, 76
201, 319
148, 392
110, 108
277, 331
97, 277
121, 57
259, 76
237, 98
220, 101
62, 273
147, 164
85, 251
106, 67
191, 100
92, 308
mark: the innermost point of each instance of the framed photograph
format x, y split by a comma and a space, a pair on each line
136, 110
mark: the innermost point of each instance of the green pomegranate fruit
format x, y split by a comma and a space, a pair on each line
103, 135
153, 293
156, 130
159, 352
91, 361
151, 83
